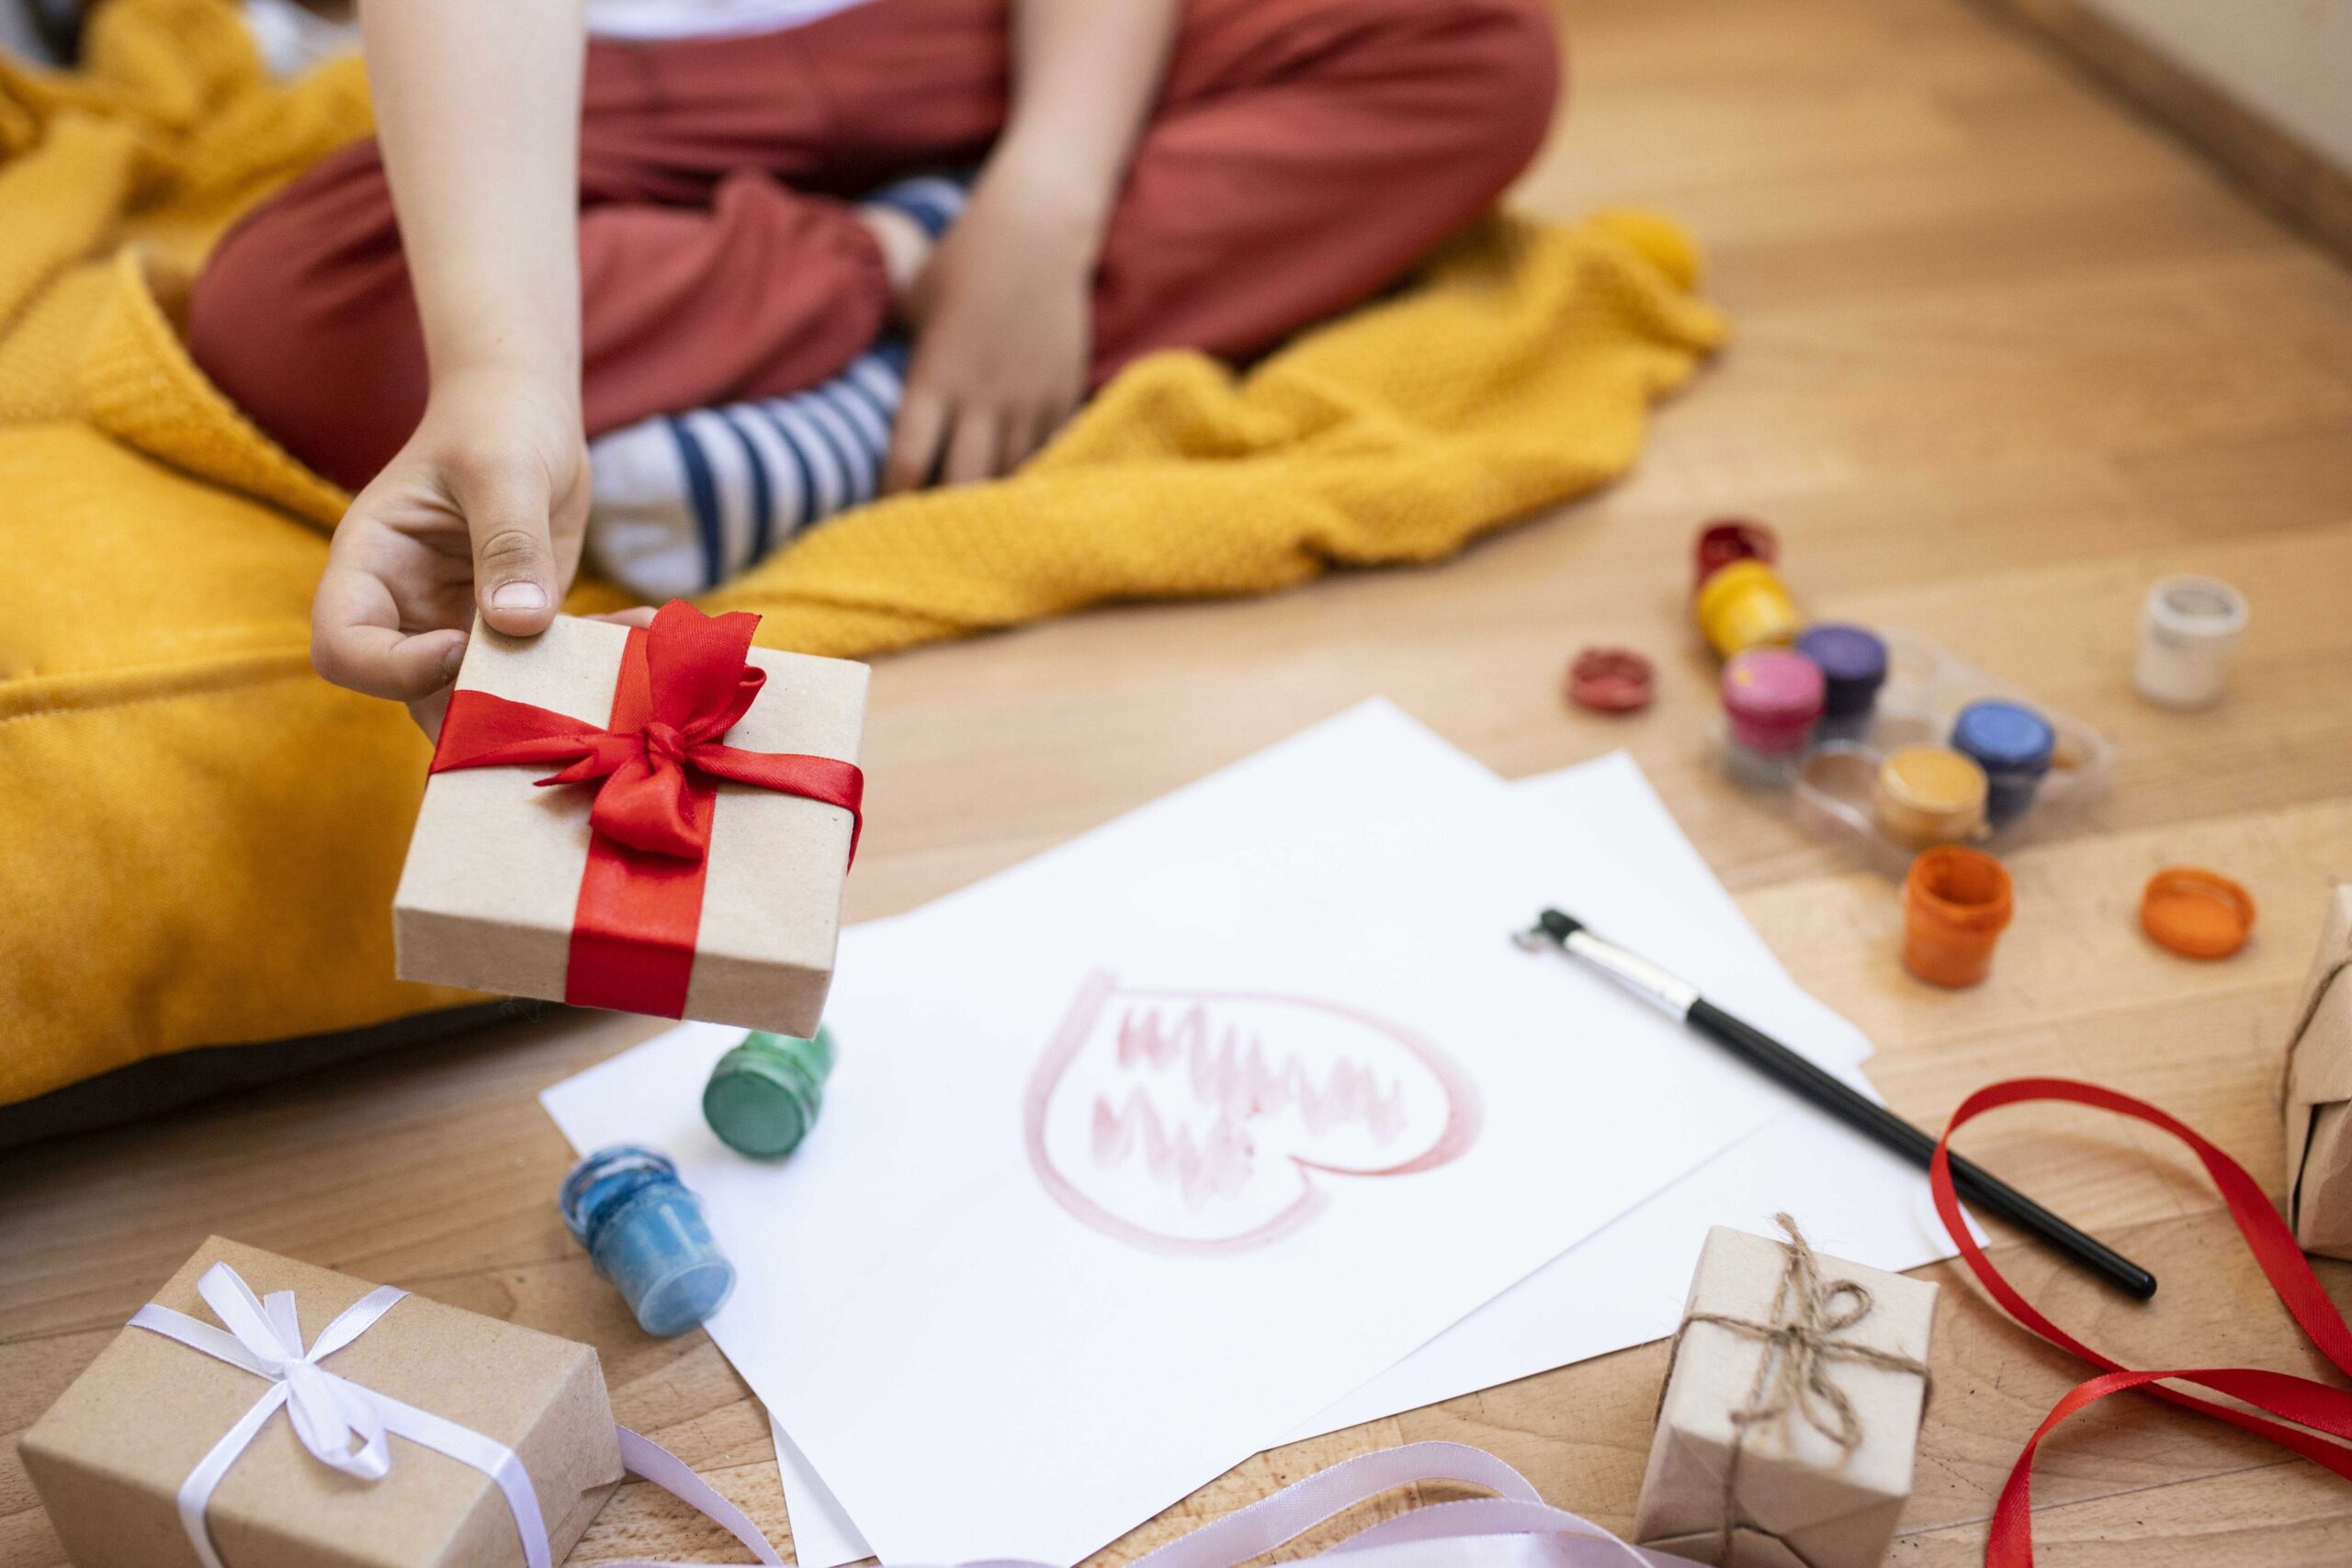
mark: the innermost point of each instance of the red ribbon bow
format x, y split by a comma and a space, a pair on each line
2312, 1407
656, 765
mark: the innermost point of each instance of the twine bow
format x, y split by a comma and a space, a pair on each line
1793, 1377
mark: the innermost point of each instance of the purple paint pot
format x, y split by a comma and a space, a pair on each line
1853, 667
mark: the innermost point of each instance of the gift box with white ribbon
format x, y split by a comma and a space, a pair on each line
262, 1413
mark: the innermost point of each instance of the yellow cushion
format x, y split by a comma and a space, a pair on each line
199, 839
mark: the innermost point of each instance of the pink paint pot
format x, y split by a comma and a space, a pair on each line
1772, 697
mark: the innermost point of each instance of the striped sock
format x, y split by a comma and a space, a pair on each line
934, 201
681, 503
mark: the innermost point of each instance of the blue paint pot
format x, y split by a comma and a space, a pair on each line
2014, 745
646, 1233
1853, 667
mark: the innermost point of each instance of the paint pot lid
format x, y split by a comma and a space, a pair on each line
764, 1095
2195, 913
2007, 736
1852, 659
1611, 680
1932, 778
1771, 685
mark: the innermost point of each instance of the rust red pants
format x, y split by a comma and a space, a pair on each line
1303, 155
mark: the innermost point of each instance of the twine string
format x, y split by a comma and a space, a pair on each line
1793, 1377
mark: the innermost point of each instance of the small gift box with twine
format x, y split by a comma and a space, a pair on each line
2318, 1093
1790, 1415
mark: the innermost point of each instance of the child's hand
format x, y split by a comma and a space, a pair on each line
1004, 331
482, 508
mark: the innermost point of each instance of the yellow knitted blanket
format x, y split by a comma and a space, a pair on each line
199, 839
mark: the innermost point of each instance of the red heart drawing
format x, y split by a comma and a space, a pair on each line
1193, 1121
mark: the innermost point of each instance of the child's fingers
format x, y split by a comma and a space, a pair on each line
914, 440
358, 639
1042, 425
973, 453
355, 640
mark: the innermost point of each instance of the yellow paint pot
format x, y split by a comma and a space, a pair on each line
1744, 604
1929, 795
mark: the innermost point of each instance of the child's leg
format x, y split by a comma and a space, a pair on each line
1303, 153
1306, 153
702, 278
683, 501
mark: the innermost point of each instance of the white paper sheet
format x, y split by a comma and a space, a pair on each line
1393, 764
1623, 1286
1626, 1285
1000, 1250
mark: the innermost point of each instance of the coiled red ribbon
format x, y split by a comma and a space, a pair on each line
655, 764
2313, 1406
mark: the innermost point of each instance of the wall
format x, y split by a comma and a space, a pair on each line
2289, 61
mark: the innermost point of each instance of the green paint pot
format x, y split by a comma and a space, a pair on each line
764, 1094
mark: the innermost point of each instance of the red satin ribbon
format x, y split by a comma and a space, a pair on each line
2322, 1408
656, 765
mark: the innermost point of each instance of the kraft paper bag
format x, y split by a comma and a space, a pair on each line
2319, 1094
1790, 1411
110, 1458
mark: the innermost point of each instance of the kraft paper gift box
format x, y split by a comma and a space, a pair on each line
492, 897
2319, 1094
112, 1456
1797, 1358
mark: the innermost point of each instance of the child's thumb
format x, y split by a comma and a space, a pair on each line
515, 575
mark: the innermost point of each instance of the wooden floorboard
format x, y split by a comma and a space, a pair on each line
2004, 353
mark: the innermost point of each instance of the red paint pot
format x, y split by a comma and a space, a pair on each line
1731, 539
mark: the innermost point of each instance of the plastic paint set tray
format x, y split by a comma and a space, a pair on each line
1830, 784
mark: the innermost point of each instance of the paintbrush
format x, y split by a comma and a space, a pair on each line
1680, 1000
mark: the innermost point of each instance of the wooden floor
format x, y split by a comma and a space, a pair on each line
2004, 354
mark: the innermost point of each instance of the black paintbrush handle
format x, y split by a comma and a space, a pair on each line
1866, 1115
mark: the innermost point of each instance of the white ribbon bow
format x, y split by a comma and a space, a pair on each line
347, 1426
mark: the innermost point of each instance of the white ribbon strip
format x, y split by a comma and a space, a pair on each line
645, 1458
347, 1427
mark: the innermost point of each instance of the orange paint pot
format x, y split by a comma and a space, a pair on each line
1956, 903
